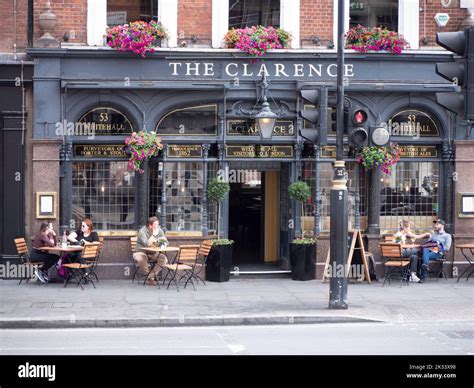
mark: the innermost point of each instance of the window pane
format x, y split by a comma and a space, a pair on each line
252, 13
184, 191
195, 120
374, 13
126, 11
326, 173
410, 193
105, 193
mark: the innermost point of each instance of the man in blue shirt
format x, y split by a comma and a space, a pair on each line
443, 241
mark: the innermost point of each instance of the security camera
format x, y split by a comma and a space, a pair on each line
183, 43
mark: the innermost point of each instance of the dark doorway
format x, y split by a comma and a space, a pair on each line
245, 220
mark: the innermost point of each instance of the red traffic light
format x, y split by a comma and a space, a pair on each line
360, 117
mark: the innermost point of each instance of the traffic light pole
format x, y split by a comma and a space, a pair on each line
339, 194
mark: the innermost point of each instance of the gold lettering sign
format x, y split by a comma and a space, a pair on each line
330, 152
104, 121
419, 151
99, 151
250, 128
413, 123
259, 151
184, 151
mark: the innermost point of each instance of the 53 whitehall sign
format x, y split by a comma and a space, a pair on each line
257, 70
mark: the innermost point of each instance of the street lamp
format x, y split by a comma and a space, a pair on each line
266, 118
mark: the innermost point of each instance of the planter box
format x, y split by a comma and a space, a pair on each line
218, 263
303, 261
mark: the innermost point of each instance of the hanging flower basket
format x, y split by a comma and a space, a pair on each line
256, 40
383, 157
139, 37
142, 146
366, 39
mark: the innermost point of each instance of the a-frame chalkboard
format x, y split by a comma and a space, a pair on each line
356, 256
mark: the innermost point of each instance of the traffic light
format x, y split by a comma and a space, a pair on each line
314, 129
334, 120
460, 72
358, 132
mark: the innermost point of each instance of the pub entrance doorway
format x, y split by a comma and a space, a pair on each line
254, 213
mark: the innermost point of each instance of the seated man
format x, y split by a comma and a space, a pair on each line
405, 236
438, 250
148, 236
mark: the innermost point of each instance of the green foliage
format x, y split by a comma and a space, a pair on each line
217, 190
222, 241
299, 191
383, 157
304, 241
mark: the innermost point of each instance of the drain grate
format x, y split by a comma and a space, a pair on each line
459, 334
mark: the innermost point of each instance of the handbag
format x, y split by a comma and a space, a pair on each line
433, 246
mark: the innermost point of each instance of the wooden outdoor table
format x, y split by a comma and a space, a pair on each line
159, 250
164, 250
72, 248
466, 250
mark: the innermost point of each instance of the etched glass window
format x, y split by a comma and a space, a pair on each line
409, 193
326, 173
105, 193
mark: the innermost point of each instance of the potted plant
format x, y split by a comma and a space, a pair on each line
139, 37
303, 258
217, 189
219, 261
366, 39
300, 191
256, 40
141, 146
383, 157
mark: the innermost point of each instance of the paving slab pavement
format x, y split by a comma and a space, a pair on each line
240, 301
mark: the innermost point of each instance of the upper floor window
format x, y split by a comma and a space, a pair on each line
126, 11
374, 13
244, 13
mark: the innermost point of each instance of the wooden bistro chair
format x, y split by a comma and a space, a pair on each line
95, 260
24, 254
82, 271
395, 266
184, 264
200, 263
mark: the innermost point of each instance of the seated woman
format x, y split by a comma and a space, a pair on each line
46, 237
405, 236
85, 235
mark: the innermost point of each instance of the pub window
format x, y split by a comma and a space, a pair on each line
105, 193
189, 121
244, 13
126, 11
374, 13
326, 174
184, 191
409, 193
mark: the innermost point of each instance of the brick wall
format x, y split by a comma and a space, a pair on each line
428, 26
8, 35
195, 18
71, 16
316, 20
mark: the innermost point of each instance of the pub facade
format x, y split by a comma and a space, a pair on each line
202, 104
